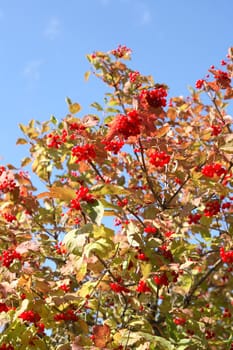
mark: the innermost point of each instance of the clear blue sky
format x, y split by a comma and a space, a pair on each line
44, 43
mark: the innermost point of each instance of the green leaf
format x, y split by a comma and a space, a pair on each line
97, 106
75, 239
102, 247
53, 120
102, 232
95, 211
110, 189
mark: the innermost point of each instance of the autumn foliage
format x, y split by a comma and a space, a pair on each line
126, 243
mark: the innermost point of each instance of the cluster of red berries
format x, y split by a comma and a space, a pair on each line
199, 83
85, 152
222, 79
212, 208
128, 125
166, 253
121, 51
179, 321
55, 141
30, 316
113, 146
33, 317
159, 159
65, 287
122, 203
155, 98
211, 170
226, 257
7, 182
76, 127
8, 256
118, 288
81, 195
216, 130
141, 256
133, 76
143, 287
9, 217
60, 248
5, 346
150, 229
161, 279
68, 315
4, 307
194, 218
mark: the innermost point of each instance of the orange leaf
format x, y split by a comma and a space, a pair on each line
101, 335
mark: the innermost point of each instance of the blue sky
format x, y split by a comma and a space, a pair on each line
44, 43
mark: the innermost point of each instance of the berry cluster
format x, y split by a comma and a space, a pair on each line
81, 195
226, 257
8, 256
7, 182
216, 130
159, 159
155, 98
211, 170
194, 218
4, 307
179, 321
68, 315
133, 76
222, 79
150, 229
212, 208
55, 141
128, 125
143, 287
113, 146
85, 152
5, 346
121, 51
9, 217
199, 83
161, 279
118, 288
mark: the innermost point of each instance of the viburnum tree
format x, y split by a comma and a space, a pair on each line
127, 243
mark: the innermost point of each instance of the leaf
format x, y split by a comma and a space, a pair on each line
97, 106
171, 113
75, 239
90, 120
27, 246
74, 108
64, 193
102, 247
25, 161
95, 211
110, 189
129, 338
21, 141
162, 131
87, 75
102, 232
101, 335
228, 147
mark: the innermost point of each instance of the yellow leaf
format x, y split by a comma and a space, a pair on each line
21, 141
74, 108
64, 193
87, 75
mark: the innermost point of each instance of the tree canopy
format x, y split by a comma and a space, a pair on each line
127, 242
